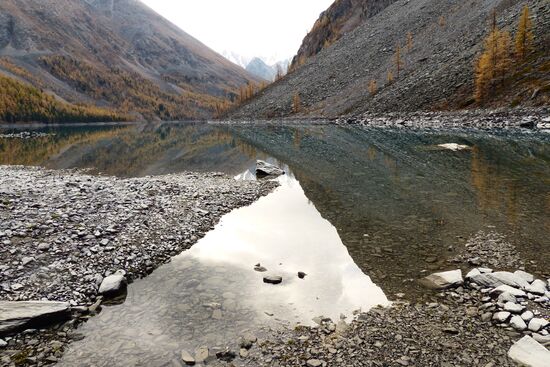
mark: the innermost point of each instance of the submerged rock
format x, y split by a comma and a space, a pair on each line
16, 316
443, 280
528, 352
187, 358
273, 279
264, 169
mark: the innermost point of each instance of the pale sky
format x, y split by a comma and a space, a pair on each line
271, 29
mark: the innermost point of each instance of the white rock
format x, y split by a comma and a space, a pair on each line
517, 323
537, 287
544, 340
537, 324
113, 284
187, 358
266, 169
506, 297
526, 276
506, 288
528, 352
485, 270
527, 316
453, 146
3, 343
443, 280
513, 307
510, 279
501, 316
473, 273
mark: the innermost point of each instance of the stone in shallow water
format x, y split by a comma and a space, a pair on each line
201, 354
443, 280
187, 358
528, 352
264, 169
16, 316
113, 285
273, 279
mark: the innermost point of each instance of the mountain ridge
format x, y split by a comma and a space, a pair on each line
145, 63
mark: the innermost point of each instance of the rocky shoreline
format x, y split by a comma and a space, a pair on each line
488, 318
65, 234
524, 118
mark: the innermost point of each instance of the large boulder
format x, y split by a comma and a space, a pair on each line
443, 280
264, 169
18, 316
530, 353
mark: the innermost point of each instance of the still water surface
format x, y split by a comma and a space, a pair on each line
364, 212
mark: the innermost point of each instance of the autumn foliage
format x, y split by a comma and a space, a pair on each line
22, 103
296, 103
373, 87
496, 61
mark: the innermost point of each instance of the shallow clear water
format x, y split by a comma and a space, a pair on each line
365, 212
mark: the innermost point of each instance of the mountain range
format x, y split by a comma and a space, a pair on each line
118, 55
347, 64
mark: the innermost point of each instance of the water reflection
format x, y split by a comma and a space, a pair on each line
211, 294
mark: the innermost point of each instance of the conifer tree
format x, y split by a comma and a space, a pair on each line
409, 41
398, 60
373, 87
524, 36
296, 103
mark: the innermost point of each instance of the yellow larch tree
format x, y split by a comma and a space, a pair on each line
524, 36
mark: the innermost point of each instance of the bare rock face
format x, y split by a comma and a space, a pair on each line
264, 169
17, 316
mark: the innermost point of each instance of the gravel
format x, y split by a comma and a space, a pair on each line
63, 232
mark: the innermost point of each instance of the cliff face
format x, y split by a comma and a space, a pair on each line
340, 18
143, 62
436, 65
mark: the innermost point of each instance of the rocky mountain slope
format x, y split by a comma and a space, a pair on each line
446, 37
117, 54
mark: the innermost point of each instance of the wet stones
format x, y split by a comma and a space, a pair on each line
443, 280
273, 279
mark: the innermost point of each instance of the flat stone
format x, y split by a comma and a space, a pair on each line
264, 169
526, 276
537, 324
273, 279
517, 323
486, 280
513, 307
537, 287
506, 288
530, 353
544, 340
27, 260
501, 316
510, 279
187, 358
113, 285
443, 280
17, 316
314, 363
201, 354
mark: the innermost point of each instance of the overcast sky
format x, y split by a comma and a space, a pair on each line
271, 29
